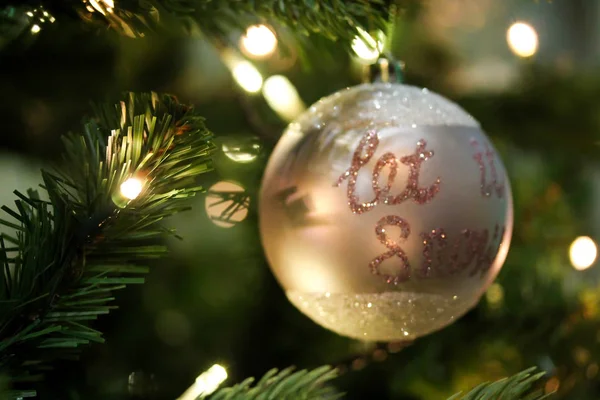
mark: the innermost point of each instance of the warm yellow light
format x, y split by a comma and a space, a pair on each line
583, 252
367, 48
206, 383
29, 13
131, 188
102, 6
35, 29
495, 295
283, 97
247, 76
522, 39
259, 41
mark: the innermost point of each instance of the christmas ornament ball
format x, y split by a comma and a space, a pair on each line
385, 212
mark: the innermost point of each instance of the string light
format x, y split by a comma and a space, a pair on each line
583, 252
367, 48
102, 6
131, 188
283, 97
206, 383
259, 41
35, 29
247, 76
522, 39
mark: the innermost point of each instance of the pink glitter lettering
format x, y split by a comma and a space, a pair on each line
487, 189
395, 249
363, 154
470, 248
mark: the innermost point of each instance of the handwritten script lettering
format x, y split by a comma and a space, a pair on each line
395, 249
471, 250
487, 189
363, 154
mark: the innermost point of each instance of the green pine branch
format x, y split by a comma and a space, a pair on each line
284, 385
333, 18
72, 252
516, 387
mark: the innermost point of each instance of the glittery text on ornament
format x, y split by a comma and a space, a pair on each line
473, 251
495, 186
363, 154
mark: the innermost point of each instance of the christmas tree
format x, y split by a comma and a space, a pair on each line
134, 266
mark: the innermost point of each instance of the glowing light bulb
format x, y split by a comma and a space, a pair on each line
583, 252
247, 76
522, 39
206, 383
131, 188
367, 48
29, 13
283, 97
102, 6
35, 29
259, 41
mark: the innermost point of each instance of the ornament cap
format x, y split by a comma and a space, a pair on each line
386, 69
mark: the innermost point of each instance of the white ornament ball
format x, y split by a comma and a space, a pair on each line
385, 212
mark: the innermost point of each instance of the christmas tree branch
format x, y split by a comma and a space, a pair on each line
516, 387
284, 385
72, 252
333, 18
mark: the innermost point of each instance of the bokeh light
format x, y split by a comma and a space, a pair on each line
522, 39
583, 252
282, 97
35, 29
367, 48
222, 205
247, 76
242, 149
495, 295
131, 188
259, 41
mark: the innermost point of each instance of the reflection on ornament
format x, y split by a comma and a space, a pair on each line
131, 188
242, 149
258, 41
522, 39
227, 204
367, 48
385, 212
583, 252
206, 383
282, 97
